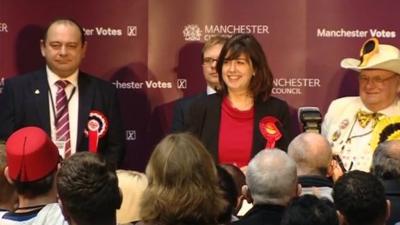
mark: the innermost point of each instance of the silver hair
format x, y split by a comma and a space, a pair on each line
272, 177
386, 160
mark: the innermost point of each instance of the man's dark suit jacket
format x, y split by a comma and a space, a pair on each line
25, 102
205, 116
392, 189
181, 110
262, 215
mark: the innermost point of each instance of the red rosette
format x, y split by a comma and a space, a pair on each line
270, 131
96, 128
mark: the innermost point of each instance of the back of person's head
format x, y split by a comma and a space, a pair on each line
312, 154
310, 210
132, 185
360, 198
88, 190
386, 160
7, 191
227, 184
183, 183
272, 178
32, 161
240, 180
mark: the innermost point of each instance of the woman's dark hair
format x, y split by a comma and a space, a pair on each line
262, 82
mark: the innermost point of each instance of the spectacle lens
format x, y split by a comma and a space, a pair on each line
209, 60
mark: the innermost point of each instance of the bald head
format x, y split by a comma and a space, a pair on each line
386, 160
264, 177
312, 154
66, 21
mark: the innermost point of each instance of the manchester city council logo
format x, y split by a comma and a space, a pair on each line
192, 32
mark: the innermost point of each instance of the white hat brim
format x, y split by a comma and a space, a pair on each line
353, 64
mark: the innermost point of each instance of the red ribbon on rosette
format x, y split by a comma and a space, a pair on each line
96, 128
270, 131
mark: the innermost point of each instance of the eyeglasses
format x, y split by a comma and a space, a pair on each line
369, 48
209, 61
375, 80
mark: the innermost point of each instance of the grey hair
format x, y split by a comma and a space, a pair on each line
386, 160
272, 177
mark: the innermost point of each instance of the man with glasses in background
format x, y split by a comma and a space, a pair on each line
349, 121
210, 53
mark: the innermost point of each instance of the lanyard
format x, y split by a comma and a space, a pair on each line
53, 108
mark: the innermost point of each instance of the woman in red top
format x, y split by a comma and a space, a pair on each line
242, 118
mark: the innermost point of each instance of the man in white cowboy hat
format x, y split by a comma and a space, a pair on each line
349, 121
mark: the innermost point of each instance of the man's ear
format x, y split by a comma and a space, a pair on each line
329, 171
42, 47
299, 190
7, 175
246, 193
84, 47
398, 86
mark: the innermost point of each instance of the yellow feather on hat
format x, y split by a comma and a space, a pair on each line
386, 129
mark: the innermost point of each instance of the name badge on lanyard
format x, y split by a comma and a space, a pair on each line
61, 147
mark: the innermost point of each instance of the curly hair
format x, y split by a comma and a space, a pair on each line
88, 188
310, 210
183, 184
360, 197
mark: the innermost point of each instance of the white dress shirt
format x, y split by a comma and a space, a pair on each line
73, 106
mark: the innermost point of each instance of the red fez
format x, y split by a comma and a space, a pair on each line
31, 155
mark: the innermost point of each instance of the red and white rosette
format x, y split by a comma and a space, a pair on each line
270, 131
96, 128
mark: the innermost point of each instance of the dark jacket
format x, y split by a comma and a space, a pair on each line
392, 189
205, 116
181, 110
262, 215
25, 102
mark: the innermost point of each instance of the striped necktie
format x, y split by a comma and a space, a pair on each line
62, 117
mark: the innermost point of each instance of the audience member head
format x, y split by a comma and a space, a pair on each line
379, 74
32, 161
209, 57
227, 184
88, 190
132, 185
312, 154
386, 160
243, 54
310, 210
8, 195
264, 178
183, 184
360, 199
63, 46
240, 180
